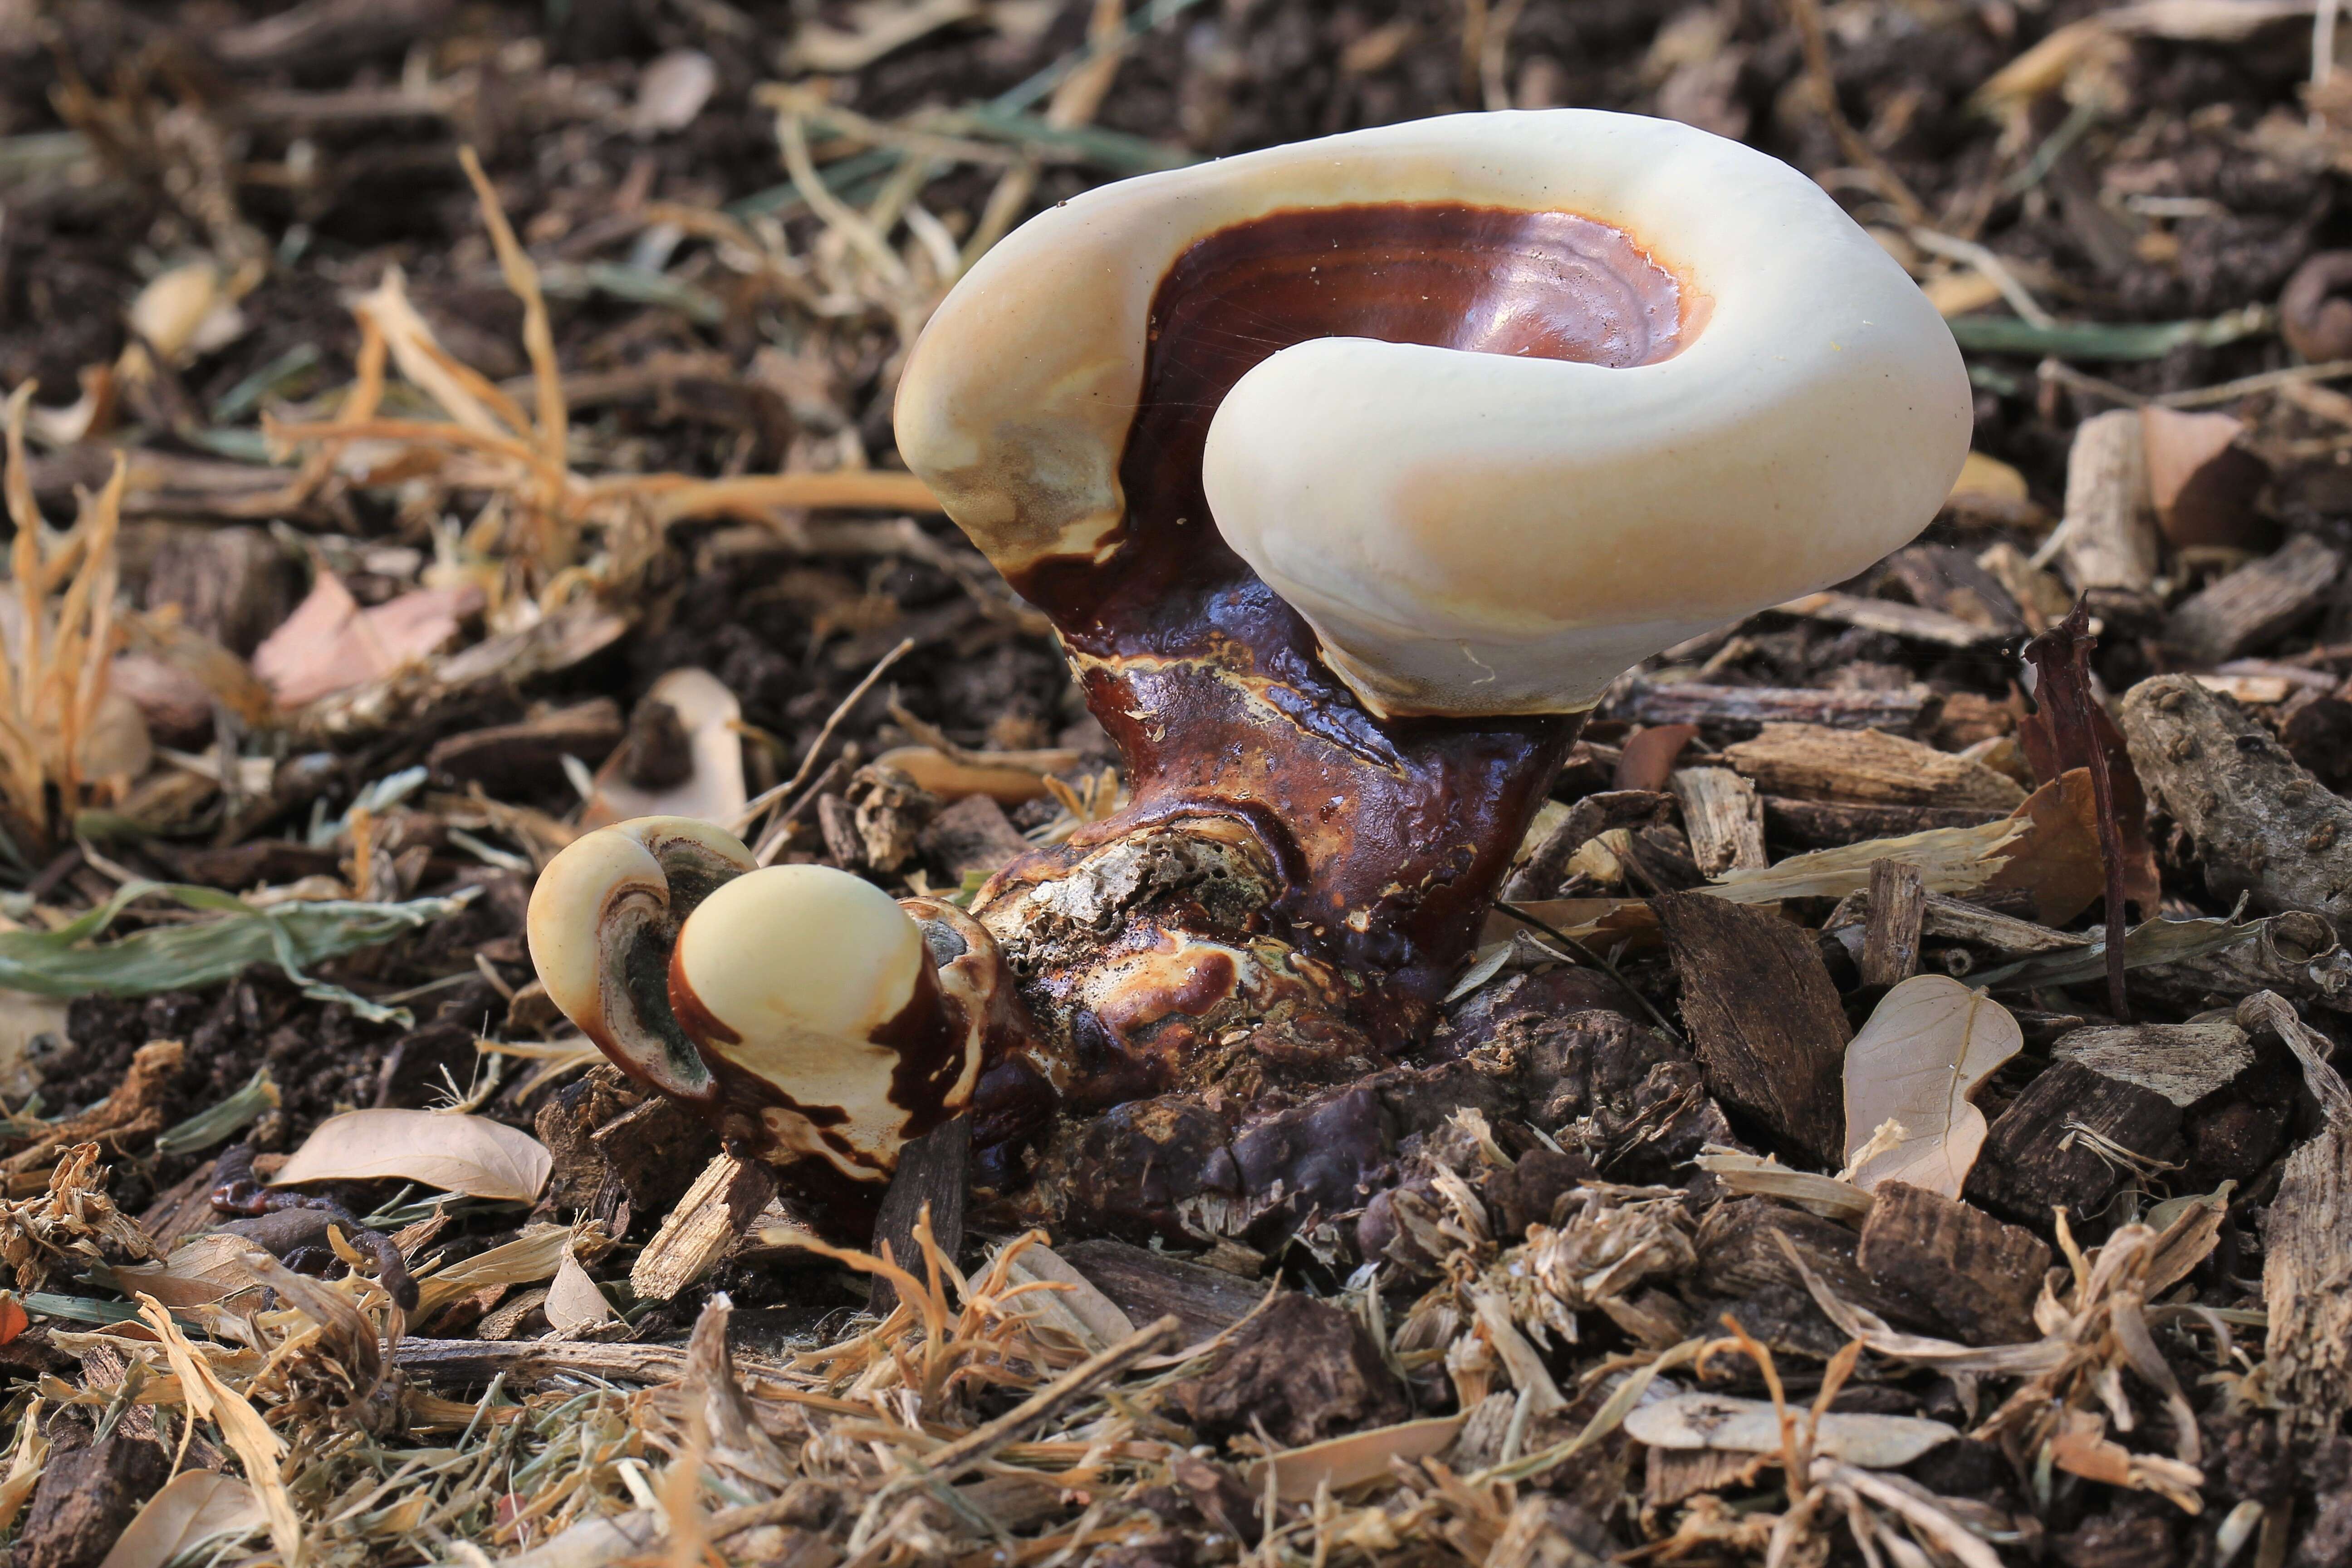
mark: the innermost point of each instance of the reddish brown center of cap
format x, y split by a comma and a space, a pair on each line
1487, 280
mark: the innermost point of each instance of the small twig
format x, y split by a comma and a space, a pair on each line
772, 840
768, 797
1807, 14
2245, 385
2020, 300
1598, 962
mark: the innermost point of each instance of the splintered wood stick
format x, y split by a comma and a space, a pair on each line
1898, 908
715, 1212
2107, 538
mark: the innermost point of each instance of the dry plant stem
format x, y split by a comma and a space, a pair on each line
1807, 14
946, 1465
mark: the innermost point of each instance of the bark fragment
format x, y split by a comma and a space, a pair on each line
2261, 825
1770, 1032
1979, 1275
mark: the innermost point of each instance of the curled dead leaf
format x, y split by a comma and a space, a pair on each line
712, 789
1928, 1045
1697, 1420
573, 1301
1352, 1459
197, 1506
468, 1154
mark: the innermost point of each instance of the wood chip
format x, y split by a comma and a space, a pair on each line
2069, 1142
1979, 1275
2263, 826
2253, 607
2183, 1062
2108, 534
1891, 932
1743, 710
1770, 1030
1724, 819
1869, 767
723, 1201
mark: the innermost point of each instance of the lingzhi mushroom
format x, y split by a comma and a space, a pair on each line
1349, 474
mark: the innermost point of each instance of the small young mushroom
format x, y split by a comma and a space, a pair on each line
819, 1023
1350, 473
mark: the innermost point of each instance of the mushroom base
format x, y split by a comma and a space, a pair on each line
1207, 959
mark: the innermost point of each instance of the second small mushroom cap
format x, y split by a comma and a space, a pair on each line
1503, 403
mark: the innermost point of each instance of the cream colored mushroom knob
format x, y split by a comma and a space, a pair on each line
798, 1004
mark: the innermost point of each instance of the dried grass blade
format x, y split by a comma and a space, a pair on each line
538, 336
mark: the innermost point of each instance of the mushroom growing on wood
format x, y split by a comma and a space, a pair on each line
820, 1024
1350, 473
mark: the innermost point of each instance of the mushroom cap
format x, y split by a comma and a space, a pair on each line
791, 951
1473, 533
604, 907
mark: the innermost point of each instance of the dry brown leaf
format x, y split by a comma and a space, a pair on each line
1736, 1425
196, 1507
1352, 1459
207, 1268
1070, 1301
672, 89
2083, 1447
330, 644
1953, 860
1988, 477
470, 1154
188, 310
535, 1255
711, 718
572, 1299
1929, 1043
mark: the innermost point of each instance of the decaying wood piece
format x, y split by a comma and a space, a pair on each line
2185, 1063
1867, 768
513, 761
1898, 908
1148, 1284
2309, 1237
1724, 817
1741, 1251
2257, 603
2069, 1142
2262, 824
1765, 1016
723, 1201
1957, 919
933, 1177
1743, 710
1979, 1275
2108, 535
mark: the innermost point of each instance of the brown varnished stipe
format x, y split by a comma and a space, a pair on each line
1388, 838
